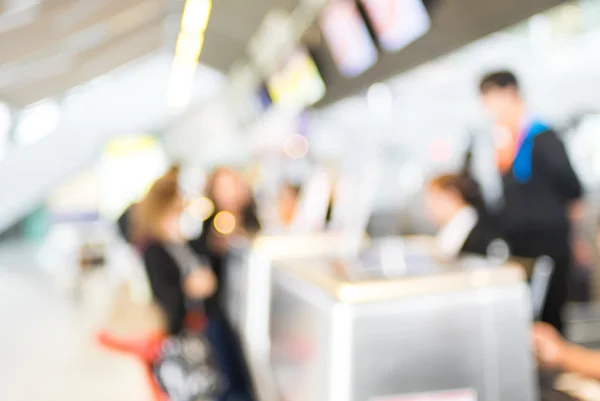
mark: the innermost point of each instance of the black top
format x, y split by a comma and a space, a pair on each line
124, 225
165, 280
218, 260
480, 238
540, 203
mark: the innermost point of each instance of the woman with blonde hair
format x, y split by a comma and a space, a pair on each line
180, 284
128, 221
176, 275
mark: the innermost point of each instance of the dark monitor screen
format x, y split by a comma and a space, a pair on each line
348, 38
397, 23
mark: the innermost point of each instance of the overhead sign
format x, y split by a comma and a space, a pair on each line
274, 39
297, 83
348, 38
397, 23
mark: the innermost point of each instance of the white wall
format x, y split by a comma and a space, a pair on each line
131, 101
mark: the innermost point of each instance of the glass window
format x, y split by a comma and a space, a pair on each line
37, 121
5, 121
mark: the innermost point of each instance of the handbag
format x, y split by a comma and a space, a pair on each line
186, 369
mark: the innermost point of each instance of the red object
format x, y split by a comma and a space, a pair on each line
146, 349
196, 321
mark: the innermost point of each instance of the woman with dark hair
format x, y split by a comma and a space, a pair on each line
234, 206
234, 214
455, 205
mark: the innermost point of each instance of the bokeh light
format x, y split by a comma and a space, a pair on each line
201, 208
296, 146
225, 222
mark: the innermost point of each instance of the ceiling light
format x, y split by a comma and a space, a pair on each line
195, 15
189, 46
187, 51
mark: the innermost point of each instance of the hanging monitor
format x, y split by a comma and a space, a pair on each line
397, 23
348, 38
297, 83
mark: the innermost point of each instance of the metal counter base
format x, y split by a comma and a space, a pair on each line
338, 334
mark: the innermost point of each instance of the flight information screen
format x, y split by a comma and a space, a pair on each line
297, 83
348, 38
397, 23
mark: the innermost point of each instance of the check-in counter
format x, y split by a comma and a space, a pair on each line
356, 332
247, 293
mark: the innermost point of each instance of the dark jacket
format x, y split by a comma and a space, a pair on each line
124, 225
165, 280
538, 200
480, 238
201, 246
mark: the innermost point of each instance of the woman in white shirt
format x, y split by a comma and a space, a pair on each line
455, 205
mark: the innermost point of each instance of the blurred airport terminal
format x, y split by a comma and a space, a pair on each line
299, 200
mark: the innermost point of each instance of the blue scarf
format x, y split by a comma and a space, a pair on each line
522, 164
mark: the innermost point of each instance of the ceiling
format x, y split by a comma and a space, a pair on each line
454, 24
50, 46
232, 24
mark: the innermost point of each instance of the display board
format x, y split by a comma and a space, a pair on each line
297, 83
397, 23
348, 38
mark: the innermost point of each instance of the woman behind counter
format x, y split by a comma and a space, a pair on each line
455, 205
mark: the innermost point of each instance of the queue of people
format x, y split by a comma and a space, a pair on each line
539, 187
184, 275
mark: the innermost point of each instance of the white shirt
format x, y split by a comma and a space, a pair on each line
453, 235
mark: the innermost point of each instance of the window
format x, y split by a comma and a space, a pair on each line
37, 121
5, 121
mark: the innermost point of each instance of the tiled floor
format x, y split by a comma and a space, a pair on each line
46, 348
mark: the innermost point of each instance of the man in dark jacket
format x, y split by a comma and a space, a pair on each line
539, 185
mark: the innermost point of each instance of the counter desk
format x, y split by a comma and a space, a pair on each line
247, 295
376, 329
350, 332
